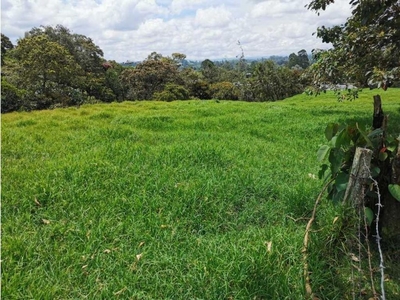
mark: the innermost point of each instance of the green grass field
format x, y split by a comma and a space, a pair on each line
180, 200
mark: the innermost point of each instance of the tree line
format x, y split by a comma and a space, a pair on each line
53, 67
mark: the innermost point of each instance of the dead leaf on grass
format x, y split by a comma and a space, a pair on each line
45, 221
354, 257
106, 251
141, 244
139, 256
37, 202
335, 220
268, 245
312, 176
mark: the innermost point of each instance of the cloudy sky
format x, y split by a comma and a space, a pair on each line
132, 29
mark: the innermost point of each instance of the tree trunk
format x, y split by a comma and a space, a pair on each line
390, 174
391, 207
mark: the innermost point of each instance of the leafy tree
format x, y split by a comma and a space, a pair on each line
172, 92
270, 82
366, 49
293, 60
209, 71
196, 85
304, 61
149, 77
224, 91
179, 59
86, 54
300, 60
5, 46
56, 67
112, 79
45, 69
12, 98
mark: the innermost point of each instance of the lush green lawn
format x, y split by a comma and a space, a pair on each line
181, 200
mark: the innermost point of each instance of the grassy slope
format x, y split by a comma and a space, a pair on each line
151, 200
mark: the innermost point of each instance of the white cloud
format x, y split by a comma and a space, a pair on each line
132, 29
213, 17
178, 6
276, 9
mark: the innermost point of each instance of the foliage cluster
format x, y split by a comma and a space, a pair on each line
52, 66
342, 143
366, 52
366, 49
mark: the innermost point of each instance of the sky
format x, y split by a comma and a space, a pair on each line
129, 30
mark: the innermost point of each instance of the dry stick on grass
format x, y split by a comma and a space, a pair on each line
306, 273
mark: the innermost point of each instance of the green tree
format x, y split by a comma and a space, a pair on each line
224, 91
303, 59
46, 70
195, 83
89, 56
299, 60
149, 77
209, 71
270, 82
12, 98
172, 92
85, 52
179, 59
5, 46
366, 49
112, 79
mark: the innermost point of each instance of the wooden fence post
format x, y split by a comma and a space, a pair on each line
360, 172
378, 117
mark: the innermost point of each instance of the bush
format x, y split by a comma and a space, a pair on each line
224, 91
12, 98
172, 92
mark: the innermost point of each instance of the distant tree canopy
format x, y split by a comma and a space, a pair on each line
299, 61
150, 77
51, 67
5, 46
366, 49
